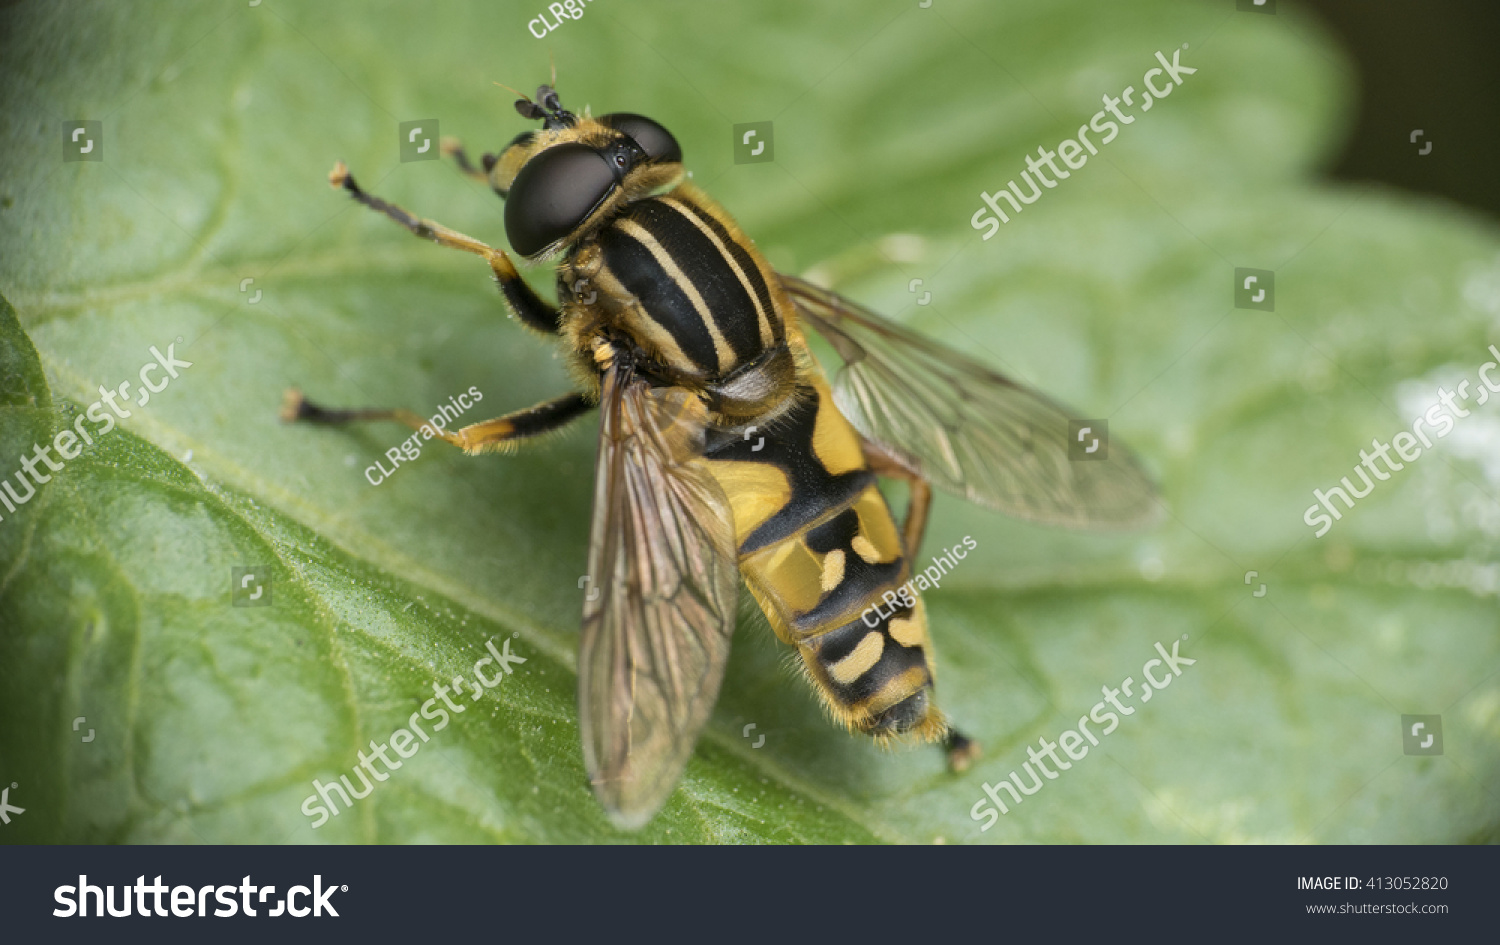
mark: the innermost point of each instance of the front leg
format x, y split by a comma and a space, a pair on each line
520, 298
454, 148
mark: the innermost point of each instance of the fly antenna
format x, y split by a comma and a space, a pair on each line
556, 116
520, 95
524, 105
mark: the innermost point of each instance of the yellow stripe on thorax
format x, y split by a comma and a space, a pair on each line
669, 265
691, 213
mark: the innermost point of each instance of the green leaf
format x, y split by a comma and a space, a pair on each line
1113, 292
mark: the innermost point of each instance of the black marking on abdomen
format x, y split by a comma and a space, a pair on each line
788, 447
895, 658
838, 532
862, 582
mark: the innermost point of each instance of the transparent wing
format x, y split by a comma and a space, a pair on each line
661, 605
969, 430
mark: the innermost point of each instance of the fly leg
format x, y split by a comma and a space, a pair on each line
520, 298
483, 437
886, 463
454, 149
962, 751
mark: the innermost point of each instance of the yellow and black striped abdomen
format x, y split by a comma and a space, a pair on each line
820, 551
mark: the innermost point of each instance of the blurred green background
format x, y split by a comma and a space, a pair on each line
219, 124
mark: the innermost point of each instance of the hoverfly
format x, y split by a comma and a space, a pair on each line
724, 452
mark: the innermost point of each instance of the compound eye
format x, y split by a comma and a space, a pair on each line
553, 194
655, 140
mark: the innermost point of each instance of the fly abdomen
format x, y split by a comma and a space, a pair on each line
876, 674
835, 589
820, 551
